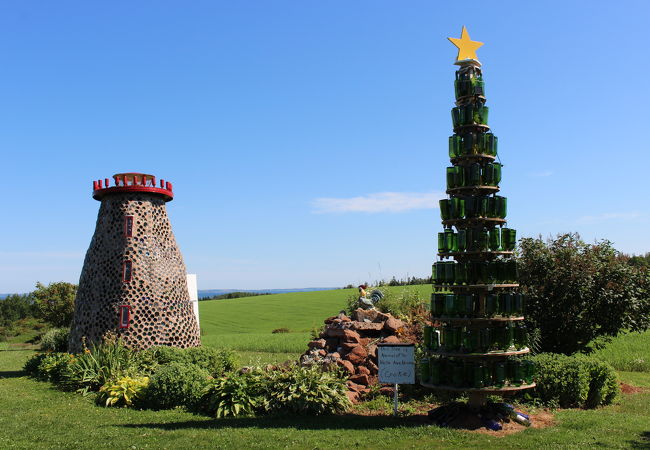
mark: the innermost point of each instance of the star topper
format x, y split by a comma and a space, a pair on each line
466, 47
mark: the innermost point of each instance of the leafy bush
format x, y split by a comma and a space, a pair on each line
238, 394
15, 307
124, 391
31, 365
176, 384
216, 362
306, 390
574, 381
55, 367
581, 294
55, 340
55, 302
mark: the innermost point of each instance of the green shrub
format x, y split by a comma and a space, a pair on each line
216, 362
55, 340
55, 367
31, 365
238, 394
574, 381
124, 391
163, 355
176, 384
306, 390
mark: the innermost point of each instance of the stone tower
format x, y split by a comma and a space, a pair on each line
133, 280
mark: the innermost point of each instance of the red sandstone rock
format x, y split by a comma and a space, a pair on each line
353, 397
372, 351
357, 355
361, 370
391, 340
344, 335
322, 352
347, 365
318, 343
329, 320
335, 355
381, 317
364, 314
374, 370
354, 387
386, 391
331, 343
366, 326
360, 379
393, 324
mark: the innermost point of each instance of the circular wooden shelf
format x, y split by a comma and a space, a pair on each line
478, 157
463, 100
489, 287
475, 253
478, 319
475, 220
478, 189
476, 126
481, 355
486, 389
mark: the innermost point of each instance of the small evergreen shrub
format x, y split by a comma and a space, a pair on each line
176, 384
31, 365
124, 391
55, 340
238, 394
574, 381
306, 390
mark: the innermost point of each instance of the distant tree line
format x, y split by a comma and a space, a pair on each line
234, 295
395, 282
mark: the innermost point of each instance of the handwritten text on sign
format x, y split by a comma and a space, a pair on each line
397, 364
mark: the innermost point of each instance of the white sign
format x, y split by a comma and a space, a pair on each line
396, 364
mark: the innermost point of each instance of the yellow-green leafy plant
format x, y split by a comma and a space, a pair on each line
123, 391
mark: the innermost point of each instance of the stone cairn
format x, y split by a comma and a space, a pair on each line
351, 344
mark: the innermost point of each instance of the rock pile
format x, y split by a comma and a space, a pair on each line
351, 343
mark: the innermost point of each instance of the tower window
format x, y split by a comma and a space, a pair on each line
125, 316
127, 271
128, 226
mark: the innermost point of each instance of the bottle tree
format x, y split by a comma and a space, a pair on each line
478, 339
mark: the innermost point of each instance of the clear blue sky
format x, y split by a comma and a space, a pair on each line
307, 141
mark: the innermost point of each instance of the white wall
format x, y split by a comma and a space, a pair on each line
193, 289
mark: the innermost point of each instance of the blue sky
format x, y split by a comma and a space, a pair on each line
307, 141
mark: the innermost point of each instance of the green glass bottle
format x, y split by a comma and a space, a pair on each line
510, 335
450, 272
461, 273
506, 239
499, 374
426, 334
491, 305
496, 170
485, 339
468, 143
425, 370
440, 272
512, 239
474, 341
481, 115
461, 240
478, 87
483, 240
501, 207
512, 273
495, 239
518, 373
488, 374
493, 274
461, 208
478, 371
492, 207
454, 146
519, 307
456, 116
450, 240
506, 308
442, 245
485, 207
483, 276
474, 175
435, 371
444, 209
488, 175
454, 207
459, 305
451, 177
450, 310
439, 304
458, 371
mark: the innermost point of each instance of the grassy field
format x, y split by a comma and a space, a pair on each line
629, 352
34, 415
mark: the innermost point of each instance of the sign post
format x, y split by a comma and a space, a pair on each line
396, 366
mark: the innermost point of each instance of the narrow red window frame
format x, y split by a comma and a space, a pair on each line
128, 226
127, 271
125, 316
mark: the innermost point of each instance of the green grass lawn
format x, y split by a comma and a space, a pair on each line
628, 352
35, 415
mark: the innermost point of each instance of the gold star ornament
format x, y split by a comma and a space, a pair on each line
466, 47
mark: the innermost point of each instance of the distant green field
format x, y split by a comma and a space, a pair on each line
629, 352
246, 324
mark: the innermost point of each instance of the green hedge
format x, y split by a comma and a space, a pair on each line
574, 381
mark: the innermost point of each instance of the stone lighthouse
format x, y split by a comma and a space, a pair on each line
133, 281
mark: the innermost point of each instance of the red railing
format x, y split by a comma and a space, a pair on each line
132, 182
